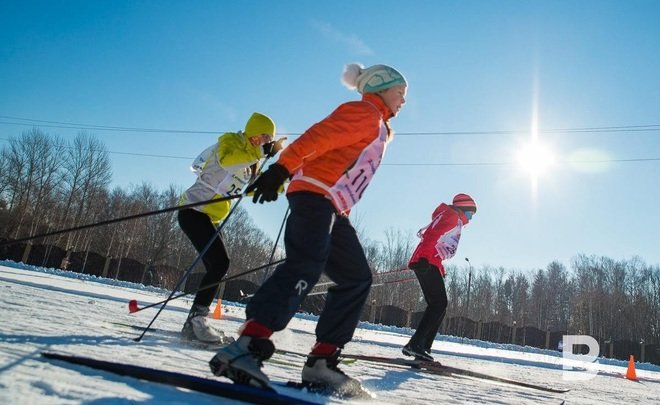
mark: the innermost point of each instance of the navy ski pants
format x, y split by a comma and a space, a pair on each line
317, 240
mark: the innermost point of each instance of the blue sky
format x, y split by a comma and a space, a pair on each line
480, 73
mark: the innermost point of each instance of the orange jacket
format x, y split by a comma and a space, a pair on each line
328, 148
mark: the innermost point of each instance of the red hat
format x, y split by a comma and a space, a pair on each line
464, 201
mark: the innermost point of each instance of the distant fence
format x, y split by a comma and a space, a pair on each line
87, 262
500, 333
128, 269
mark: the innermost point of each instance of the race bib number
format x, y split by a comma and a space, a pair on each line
348, 190
233, 184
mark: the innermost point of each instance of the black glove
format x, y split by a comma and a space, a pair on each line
269, 149
267, 185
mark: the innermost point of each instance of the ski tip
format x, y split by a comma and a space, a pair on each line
133, 306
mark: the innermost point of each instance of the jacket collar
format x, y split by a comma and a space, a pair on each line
378, 102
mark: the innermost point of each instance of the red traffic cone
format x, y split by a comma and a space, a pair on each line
630, 374
217, 313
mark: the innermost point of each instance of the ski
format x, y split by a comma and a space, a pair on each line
213, 387
434, 367
422, 366
175, 337
361, 393
215, 347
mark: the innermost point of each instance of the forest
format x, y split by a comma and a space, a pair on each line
49, 184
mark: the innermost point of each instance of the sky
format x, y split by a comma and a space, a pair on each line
485, 77
82, 315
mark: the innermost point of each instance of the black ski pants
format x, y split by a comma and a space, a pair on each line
317, 240
199, 229
435, 294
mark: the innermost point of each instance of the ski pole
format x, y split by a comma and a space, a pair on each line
272, 254
133, 304
115, 220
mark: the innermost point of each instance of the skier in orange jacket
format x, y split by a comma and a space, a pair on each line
330, 166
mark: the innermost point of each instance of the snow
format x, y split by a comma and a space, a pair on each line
52, 310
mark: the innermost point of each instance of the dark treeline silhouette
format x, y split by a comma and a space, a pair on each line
47, 184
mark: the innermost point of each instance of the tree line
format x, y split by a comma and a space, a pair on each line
48, 184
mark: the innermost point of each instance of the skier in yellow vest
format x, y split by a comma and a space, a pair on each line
223, 169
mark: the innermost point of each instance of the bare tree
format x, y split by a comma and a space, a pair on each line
5, 179
652, 291
35, 160
5, 173
397, 248
248, 246
483, 295
372, 250
84, 176
558, 297
456, 286
15, 188
519, 299
538, 310
503, 287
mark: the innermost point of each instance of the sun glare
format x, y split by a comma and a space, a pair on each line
535, 158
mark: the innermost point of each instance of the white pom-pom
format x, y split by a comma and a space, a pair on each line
351, 73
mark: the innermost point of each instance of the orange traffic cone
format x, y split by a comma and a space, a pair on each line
217, 313
630, 374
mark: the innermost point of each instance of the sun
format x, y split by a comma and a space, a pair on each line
535, 158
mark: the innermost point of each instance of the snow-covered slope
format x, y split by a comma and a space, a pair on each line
46, 309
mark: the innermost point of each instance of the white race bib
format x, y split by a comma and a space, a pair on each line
348, 189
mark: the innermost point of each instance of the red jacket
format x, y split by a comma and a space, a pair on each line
440, 237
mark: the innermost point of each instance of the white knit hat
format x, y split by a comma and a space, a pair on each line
373, 79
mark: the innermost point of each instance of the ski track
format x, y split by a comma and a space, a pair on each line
48, 312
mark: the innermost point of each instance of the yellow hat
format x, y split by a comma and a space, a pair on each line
259, 124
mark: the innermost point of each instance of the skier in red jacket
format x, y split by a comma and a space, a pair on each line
439, 242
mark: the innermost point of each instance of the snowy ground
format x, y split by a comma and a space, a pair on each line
66, 312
